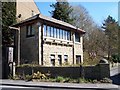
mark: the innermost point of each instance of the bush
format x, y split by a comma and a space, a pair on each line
106, 80
83, 80
39, 75
95, 81
67, 79
59, 79
116, 58
28, 77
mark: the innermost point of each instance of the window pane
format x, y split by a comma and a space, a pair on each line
61, 33
58, 34
52, 59
77, 37
65, 35
45, 30
55, 33
60, 59
51, 31
78, 59
66, 58
32, 30
28, 30
68, 35
48, 31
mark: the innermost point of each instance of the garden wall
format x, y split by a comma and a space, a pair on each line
91, 72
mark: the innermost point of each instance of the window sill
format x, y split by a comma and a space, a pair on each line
55, 40
78, 43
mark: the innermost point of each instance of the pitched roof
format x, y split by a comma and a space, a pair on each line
50, 19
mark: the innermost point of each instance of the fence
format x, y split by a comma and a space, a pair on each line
91, 72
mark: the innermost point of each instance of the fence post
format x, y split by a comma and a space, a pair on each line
13, 69
82, 74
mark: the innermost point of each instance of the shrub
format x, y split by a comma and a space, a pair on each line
83, 80
28, 77
106, 80
59, 79
95, 81
67, 79
116, 58
39, 75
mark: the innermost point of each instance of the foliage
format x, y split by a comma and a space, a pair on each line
28, 77
8, 19
39, 75
110, 27
83, 80
94, 40
88, 60
116, 58
59, 79
106, 80
62, 11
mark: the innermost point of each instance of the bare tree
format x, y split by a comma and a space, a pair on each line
94, 39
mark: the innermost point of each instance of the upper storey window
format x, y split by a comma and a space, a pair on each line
30, 31
55, 32
77, 37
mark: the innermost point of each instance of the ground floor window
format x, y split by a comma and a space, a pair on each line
60, 59
65, 58
52, 59
78, 59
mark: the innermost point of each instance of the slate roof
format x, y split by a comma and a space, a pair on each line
50, 19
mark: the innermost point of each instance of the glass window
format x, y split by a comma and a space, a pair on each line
77, 37
58, 33
65, 35
55, 33
30, 31
33, 30
48, 31
45, 30
61, 33
60, 59
52, 31
78, 59
52, 59
68, 35
65, 58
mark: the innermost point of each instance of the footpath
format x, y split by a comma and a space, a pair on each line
59, 85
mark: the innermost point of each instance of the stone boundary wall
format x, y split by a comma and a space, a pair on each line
91, 72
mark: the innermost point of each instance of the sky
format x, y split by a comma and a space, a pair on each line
99, 11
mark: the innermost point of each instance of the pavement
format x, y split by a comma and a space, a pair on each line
115, 75
54, 85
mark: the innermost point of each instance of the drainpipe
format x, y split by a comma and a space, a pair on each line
73, 48
18, 43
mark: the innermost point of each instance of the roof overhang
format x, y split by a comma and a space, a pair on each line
45, 19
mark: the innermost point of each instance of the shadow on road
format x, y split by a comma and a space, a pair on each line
116, 79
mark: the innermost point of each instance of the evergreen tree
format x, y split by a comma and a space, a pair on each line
8, 18
62, 11
111, 31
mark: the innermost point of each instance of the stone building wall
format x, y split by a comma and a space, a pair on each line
57, 50
79, 49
